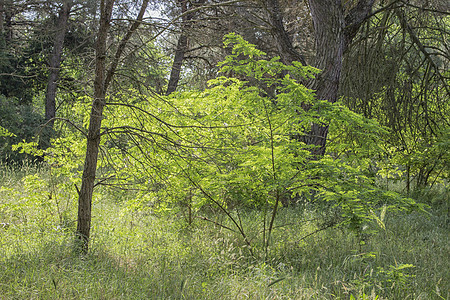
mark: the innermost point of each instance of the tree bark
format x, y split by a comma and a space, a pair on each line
334, 32
55, 63
283, 41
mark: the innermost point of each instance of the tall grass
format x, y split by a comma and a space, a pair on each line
136, 254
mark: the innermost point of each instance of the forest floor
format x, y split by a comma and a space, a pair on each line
138, 254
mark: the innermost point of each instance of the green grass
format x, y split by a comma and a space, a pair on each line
141, 255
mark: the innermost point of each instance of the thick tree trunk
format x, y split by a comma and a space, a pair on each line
334, 31
329, 22
93, 139
55, 62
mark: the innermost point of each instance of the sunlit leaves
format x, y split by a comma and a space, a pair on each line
236, 144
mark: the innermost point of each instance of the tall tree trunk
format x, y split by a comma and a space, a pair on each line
55, 61
101, 83
328, 21
2, 17
54, 66
334, 31
93, 139
181, 49
182, 44
8, 15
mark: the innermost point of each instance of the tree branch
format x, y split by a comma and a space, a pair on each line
123, 43
415, 39
355, 17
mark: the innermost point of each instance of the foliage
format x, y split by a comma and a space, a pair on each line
5, 132
233, 146
22, 122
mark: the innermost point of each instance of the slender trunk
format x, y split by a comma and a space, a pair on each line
2, 18
93, 139
101, 83
408, 179
182, 45
55, 63
177, 63
8, 15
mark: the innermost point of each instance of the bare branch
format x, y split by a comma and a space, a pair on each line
123, 43
67, 121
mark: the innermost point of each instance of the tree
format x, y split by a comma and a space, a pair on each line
101, 82
397, 72
187, 17
32, 53
55, 61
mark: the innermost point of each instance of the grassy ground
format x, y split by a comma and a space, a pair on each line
140, 255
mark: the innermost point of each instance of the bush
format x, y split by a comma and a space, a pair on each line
23, 122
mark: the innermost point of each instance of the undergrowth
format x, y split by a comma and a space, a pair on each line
138, 254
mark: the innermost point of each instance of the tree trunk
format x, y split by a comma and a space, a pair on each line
334, 31
93, 139
177, 63
8, 15
2, 17
101, 83
55, 61
182, 45
328, 21
181, 49
54, 66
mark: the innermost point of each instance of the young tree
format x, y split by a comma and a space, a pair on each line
101, 82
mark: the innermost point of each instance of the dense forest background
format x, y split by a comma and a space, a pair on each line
259, 149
